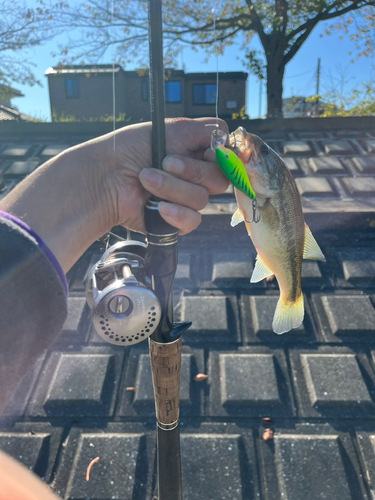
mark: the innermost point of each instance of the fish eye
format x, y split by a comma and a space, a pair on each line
264, 149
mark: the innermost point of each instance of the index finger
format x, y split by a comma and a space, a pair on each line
204, 173
191, 137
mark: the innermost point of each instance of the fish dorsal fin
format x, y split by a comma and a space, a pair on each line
237, 217
311, 249
260, 272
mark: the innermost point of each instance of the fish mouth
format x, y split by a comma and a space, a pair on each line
241, 144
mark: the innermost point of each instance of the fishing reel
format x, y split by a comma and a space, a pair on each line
125, 310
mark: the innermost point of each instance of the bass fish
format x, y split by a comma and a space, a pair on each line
272, 212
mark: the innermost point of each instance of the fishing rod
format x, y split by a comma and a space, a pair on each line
130, 290
165, 342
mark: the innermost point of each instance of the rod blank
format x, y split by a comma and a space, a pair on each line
156, 83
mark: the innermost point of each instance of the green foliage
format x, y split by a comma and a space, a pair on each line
62, 117
21, 28
360, 27
241, 115
357, 102
292, 101
312, 98
256, 64
35, 119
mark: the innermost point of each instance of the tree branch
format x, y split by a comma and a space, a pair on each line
297, 45
282, 10
220, 24
325, 15
222, 38
258, 27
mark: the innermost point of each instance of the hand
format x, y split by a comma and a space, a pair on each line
19, 482
76, 197
190, 174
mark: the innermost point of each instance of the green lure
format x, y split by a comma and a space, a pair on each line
234, 171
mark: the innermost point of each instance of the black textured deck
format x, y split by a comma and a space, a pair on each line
86, 398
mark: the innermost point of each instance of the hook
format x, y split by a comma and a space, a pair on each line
256, 213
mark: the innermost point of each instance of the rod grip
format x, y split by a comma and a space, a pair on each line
165, 368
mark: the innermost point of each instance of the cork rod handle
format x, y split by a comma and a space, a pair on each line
165, 368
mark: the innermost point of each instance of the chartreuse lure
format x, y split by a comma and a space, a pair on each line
233, 169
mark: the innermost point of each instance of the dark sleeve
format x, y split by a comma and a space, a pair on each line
33, 305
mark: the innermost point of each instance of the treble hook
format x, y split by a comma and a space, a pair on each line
256, 214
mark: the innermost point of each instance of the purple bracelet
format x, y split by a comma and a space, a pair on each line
47, 252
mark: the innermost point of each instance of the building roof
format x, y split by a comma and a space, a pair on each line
313, 387
222, 75
86, 68
10, 91
9, 113
110, 68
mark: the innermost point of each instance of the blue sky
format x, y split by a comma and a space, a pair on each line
300, 75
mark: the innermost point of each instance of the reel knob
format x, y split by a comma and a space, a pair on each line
125, 310
125, 315
120, 305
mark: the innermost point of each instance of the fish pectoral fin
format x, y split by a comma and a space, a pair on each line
311, 249
269, 215
288, 315
260, 272
237, 217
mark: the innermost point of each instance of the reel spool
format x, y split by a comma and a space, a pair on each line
125, 310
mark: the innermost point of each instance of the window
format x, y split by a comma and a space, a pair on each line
72, 88
144, 90
172, 91
204, 93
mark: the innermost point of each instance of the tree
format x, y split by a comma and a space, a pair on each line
20, 29
282, 27
357, 102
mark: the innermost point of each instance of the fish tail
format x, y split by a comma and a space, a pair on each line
288, 315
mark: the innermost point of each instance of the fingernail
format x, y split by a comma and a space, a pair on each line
168, 209
173, 165
152, 178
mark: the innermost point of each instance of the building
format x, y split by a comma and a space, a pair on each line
7, 93
7, 110
85, 92
298, 107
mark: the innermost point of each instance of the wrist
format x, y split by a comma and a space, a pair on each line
56, 203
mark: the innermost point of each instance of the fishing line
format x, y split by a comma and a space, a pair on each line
113, 92
218, 136
217, 71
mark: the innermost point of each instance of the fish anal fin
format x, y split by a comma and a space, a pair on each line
237, 217
288, 315
260, 271
311, 249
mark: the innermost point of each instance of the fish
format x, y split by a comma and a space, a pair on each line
275, 223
